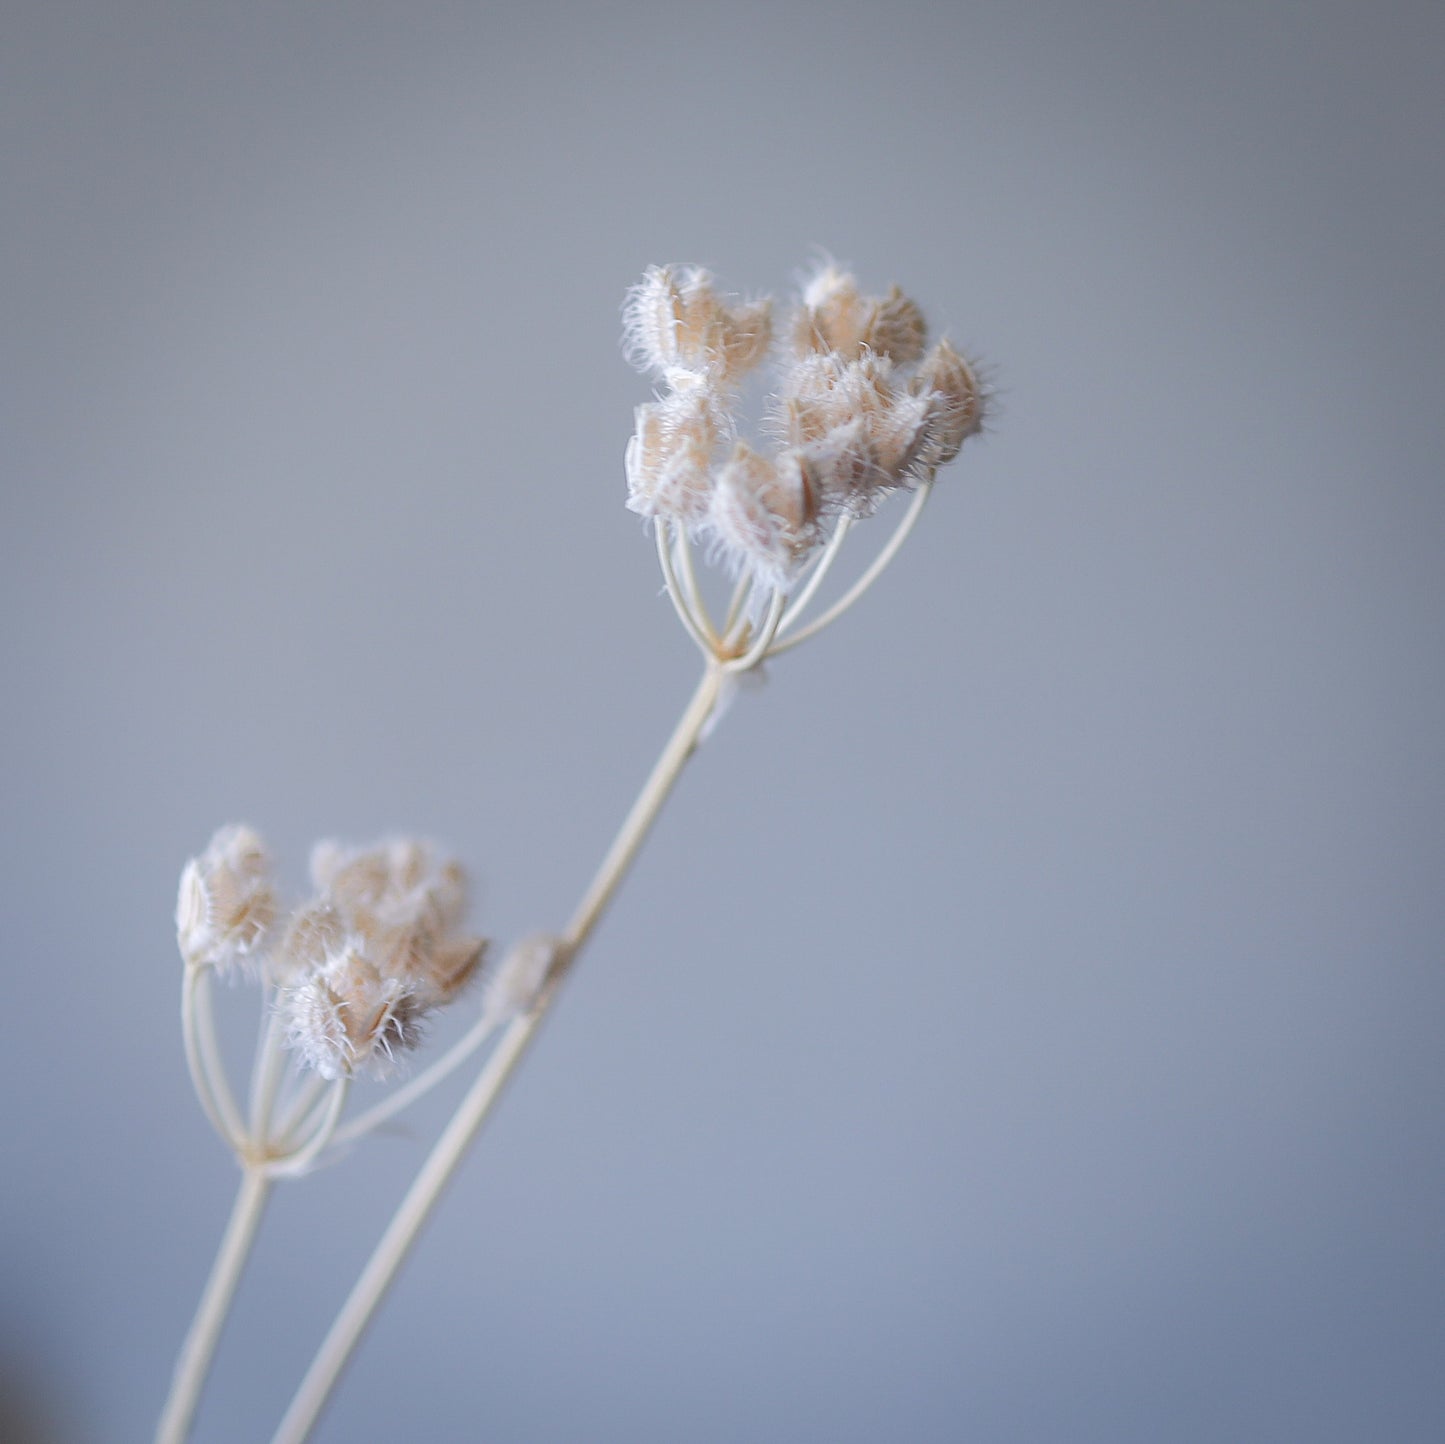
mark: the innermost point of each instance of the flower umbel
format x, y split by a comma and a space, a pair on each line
348, 976
858, 412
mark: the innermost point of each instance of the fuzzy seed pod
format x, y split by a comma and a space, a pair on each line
833, 314
670, 455
895, 328
960, 402
227, 903
675, 322
764, 514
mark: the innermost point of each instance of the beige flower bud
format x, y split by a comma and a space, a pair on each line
960, 402
895, 328
675, 322
833, 314
314, 932
227, 903
764, 514
837, 317
350, 1015
900, 433
844, 468
670, 456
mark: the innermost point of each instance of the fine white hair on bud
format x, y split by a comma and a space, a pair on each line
227, 902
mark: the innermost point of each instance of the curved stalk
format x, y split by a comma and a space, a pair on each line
208, 1076
268, 1069
688, 572
880, 562
758, 647
820, 570
291, 1165
674, 590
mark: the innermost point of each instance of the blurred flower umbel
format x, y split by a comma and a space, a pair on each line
348, 976
376, 950
860, 409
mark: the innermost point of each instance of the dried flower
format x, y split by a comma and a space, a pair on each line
357, 966
227, 903
858, 412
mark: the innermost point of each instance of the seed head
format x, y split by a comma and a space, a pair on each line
856, 415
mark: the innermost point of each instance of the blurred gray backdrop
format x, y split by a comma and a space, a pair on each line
1025, 1024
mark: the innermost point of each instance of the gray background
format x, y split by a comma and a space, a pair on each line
1026, 1022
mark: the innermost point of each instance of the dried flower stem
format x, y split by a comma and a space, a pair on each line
195, 1359
199, 1035
264, 1157
401, 1233
900, 535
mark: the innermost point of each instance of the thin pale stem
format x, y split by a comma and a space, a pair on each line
208, 1074
401, 1233
688, 572
758, 647
200, 1346
674, 589
268, 1070
880, 562
815, 579
680, 746
294, 1164
735, 606
303, 1101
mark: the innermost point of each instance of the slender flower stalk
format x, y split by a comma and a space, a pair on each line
205, 1331
861, 409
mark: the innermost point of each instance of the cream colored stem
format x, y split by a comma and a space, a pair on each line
821, 568
401, 1233
268, 1069
200, 1345
208, 1072
298, 1162
695, 627
910, 520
